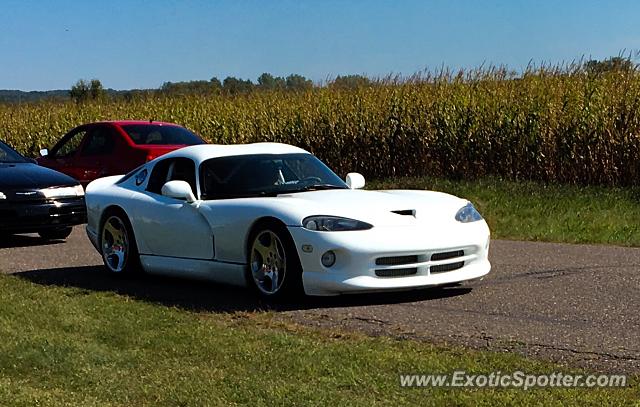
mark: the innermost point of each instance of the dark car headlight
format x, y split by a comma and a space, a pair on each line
333, 224
62, 192
468, 213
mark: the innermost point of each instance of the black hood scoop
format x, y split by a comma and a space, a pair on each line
406, 212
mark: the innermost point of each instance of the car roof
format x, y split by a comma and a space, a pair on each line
203, 152
129, 122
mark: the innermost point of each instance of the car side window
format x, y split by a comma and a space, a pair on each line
172, 169
183, 169
100, 141
158, 176
69, 146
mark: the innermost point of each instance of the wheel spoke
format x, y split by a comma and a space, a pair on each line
262, 249
112, 230
274, 280
119, 254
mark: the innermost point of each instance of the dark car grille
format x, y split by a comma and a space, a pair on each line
441, 268
447, 255
397, 272
28, 216
7, 214
396, 260
66, 210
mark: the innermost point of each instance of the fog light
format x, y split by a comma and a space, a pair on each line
328, 259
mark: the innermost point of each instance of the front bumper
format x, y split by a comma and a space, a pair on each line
392, 258
34, 216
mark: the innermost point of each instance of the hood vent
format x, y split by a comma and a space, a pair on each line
407, 212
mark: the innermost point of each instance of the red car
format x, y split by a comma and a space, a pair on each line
101, 149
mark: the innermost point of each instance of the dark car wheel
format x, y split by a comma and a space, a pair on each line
55, 234
118, 245
274, 270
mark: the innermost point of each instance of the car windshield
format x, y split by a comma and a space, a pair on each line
9, 155
265, 175
158, 134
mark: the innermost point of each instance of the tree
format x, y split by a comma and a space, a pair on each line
266, 81
96, 90
298, 82
216, 85
87, 90
350, 81
608, 65
234, 86
80, 91
192, 87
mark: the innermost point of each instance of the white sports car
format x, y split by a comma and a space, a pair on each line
275, 217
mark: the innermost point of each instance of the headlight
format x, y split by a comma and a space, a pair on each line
2, 196
333, 224
63, 192
468, 213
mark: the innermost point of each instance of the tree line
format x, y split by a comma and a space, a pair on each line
85, 90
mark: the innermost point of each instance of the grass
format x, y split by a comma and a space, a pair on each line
69, 346
544, 212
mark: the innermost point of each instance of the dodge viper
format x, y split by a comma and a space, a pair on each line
274, 217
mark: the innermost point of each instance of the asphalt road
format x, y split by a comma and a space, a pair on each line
574, 304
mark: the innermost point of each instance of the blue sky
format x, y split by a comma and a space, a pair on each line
143, 43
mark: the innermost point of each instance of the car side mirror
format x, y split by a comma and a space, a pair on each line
355, 180
44, 152
178, 190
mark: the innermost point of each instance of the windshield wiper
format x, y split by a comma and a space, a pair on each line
314, 187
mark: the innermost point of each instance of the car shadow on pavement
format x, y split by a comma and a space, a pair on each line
15, 241
200, 296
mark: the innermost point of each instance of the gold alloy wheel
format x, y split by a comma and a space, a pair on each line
268, 262
115, 244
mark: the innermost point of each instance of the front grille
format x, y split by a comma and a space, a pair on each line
396, 260
396, 272
66, 210
7, 215
441, 268
447, 255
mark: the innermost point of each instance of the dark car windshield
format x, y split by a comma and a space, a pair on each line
265, 174
9, 155
157, 134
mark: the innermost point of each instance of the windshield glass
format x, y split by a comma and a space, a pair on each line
157, 134
265, 174
9, 155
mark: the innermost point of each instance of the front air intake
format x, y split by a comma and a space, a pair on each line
396, 272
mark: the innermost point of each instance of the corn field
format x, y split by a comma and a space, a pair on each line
548, 124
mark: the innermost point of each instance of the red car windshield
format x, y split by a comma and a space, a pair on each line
157, 134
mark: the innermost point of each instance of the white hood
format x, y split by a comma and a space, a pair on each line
376, 207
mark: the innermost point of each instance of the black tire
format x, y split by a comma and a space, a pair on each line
56, 234
289, 281
118, 244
